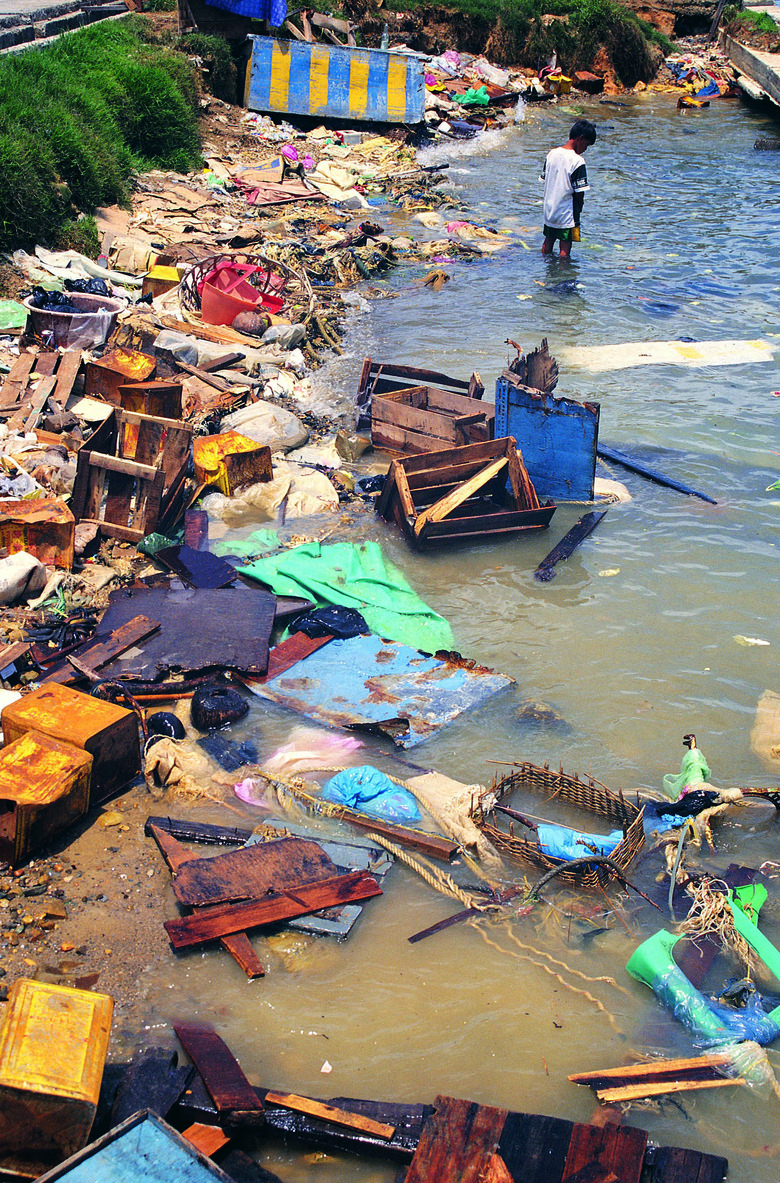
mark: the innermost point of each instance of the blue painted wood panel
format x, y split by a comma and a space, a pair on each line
302, 78
557, 437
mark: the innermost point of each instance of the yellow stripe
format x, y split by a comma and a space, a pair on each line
358, 85
396, 88
279, 94
318, 79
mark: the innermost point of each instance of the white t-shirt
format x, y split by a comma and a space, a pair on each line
563, 175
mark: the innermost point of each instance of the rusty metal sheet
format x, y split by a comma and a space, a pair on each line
226, 628
367, 683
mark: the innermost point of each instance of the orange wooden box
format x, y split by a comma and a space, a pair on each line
44, 787
109, 733
44, 527
53, 1045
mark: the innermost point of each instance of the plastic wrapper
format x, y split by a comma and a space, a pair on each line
564, 843
712, 1022
368, 790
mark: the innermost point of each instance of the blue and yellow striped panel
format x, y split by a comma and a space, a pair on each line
299, 78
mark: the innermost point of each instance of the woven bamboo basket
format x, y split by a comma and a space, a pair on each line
589, 794
296, 291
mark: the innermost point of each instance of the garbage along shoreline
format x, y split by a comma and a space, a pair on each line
185, 522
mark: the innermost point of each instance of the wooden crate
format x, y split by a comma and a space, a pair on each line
104, 375
160, 399
380, 377
53, 1045
461, 494
131, 473
427, 418
44, 787
108, 732
44, 527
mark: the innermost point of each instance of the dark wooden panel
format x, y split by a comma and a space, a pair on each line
251, 872
620, 1148
534, 1148
457, 1143
674, 1165
220, 1070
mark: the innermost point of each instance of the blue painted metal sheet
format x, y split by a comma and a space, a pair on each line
367, 681
143, 1149
557, 436
304, 78
348, 856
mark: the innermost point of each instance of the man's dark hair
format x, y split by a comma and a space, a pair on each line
584, 130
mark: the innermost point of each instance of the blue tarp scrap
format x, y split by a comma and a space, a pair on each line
273, 11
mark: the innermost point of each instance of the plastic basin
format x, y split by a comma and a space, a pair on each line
66, 327
225, 293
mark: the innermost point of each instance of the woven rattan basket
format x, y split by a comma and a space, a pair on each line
587, 794
295, 289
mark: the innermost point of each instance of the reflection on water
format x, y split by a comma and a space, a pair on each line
676, 232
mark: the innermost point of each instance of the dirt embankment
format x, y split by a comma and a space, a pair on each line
754, 38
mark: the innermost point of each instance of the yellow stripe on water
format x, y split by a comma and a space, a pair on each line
318, 79
358, 85
396, 88
279, 92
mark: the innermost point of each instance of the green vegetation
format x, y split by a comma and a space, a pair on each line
80, 116
753, 22
216, 54
79, 234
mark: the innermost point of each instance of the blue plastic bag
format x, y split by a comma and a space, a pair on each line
368, 790
561, 842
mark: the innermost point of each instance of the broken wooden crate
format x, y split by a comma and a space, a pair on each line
33, 380
44, 527
104, 375
107, 732
378, 378
521, 845
160, 399
426, 418
44, 787
53, 1045
131, 474
230, 460
462, 494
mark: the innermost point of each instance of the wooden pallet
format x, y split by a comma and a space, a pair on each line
33, 380
131, 473
461, 494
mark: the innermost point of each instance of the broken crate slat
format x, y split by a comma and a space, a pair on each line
620, 1149
634, 1092
456, 1142
208, 1139
219, 1069
16, 379
221, 921
284, 863
239, 946
153, 1080
655, 1070
197, 831
330, 1113
97, 654
568, 544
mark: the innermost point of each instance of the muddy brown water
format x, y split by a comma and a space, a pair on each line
632, 645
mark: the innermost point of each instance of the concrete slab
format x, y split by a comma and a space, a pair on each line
763, 69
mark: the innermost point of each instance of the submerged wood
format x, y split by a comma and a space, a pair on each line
568, 544
652, 474
219, 1069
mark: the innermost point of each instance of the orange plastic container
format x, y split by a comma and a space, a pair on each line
225, 293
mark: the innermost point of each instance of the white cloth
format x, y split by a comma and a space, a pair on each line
564, 175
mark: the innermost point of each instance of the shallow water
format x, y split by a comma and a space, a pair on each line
632, 643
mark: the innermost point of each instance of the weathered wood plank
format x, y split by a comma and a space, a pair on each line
633, 1092
651, 474
534, 1147
208, 1139
219, 1069
221, 921
239, 946
457, 1142
440, 509
198, 831
655, 1069
568, 544
285, 863
330, 1113
621, 1149
675, 1165
16, 379
67, 372
154, 1080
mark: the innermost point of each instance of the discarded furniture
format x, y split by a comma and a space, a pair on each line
425, 419
558, 436
107, 732
521, 844
44, 787
143, 1146
461, 494
131, 473
230, 460
632, 1082
366, 684
53, 1044
43, 527
299, 78
379, 377
104, 375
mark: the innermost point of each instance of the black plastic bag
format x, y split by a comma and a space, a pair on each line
332, 621
89, 287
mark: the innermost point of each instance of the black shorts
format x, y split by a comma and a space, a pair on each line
566, 235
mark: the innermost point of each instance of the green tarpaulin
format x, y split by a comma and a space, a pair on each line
356, 577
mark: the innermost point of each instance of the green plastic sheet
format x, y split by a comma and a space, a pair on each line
257, 543
356, 576
13, 315
473, 98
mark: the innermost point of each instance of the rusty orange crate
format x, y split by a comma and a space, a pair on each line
44, 527
107, 732
53, 1045
44, 787
230, 460
104, 375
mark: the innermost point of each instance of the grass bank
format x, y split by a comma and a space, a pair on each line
80, 116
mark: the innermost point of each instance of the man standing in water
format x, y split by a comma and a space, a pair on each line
565, 184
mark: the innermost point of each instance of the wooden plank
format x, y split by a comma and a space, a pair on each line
468, 453
119, 641
41, 395
221, 921
673, 1069
239, 946
675, 1165
16, 379
457, 1142
67, 372
117, 464
387, 410
199, 831
633, 1092
219, 1069
431, 844
153, 1080
522, 489
289, 652
401, 439
147, 444
617, 1148
281, 865
120, 492
594, 1173
172, 850
651, 474
534, 1147
568, 544
490, 523
208, 1139
210, 379
330, 1113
